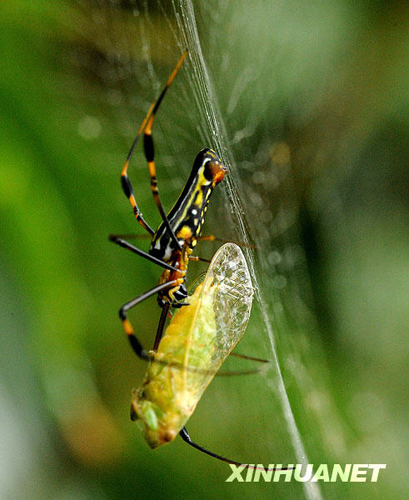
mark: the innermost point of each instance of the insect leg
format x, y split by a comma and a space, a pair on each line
234, 373
124, 244
135, 344
211, 237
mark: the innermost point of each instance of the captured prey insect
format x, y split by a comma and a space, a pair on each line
194, 346
192, 349
173, 242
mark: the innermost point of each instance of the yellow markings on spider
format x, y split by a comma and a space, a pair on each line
194, 346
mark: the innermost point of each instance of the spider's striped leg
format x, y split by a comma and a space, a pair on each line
150, 152
126, 182
119, 239
146, 125
197, 259
211, 237
135, 344
208, 237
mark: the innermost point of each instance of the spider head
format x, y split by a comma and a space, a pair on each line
213, 168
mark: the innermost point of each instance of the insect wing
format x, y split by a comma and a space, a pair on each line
202, 335
229, 282
215, 320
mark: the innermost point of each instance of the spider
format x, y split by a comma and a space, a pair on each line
173, 242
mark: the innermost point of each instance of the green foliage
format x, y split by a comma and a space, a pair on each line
315, 129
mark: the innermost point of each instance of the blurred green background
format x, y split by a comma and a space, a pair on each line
308, 105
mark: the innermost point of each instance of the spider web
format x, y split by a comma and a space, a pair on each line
215, 131
229, 96
212, 74
198, 86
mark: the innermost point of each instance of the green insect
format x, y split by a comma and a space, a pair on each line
194, 346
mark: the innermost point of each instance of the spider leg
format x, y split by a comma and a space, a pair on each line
150, 152
161, 326
126, 182
135, 344
129, 236
211, 237
186, 438
197, 259
124, 244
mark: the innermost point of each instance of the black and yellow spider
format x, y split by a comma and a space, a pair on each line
173, 241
